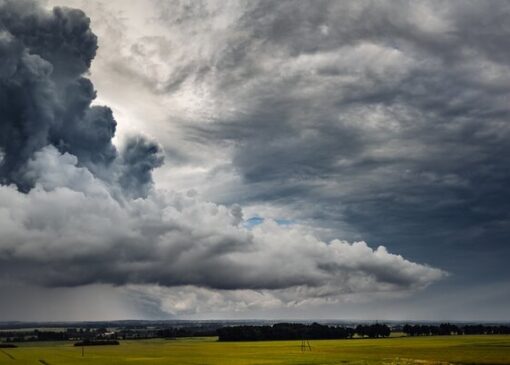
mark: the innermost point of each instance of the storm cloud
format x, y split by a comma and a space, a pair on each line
46, 98
77, 210
383, 120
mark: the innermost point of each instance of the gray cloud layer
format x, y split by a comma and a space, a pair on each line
74, 210
391, 117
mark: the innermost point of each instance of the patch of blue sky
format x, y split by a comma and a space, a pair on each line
284, 222
255, 221
252, 222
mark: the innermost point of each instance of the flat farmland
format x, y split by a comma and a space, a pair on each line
492, 349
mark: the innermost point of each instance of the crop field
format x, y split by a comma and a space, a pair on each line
405, 350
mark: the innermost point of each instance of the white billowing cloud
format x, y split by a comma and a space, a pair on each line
51, 170
72, 229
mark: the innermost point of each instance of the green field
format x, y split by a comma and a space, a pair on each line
405, 350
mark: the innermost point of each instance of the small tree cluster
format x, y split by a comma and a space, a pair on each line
373, 330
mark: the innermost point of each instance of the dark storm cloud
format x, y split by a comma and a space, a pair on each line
75, 211
391, 116
140, 157
45, 98
61, 37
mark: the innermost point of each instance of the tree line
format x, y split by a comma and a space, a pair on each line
252, 332
297, 331
446, 329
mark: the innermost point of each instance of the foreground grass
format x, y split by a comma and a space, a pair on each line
405, 350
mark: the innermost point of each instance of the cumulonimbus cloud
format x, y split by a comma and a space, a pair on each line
46, 99
75, 210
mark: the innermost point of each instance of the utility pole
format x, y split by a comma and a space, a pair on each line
305, 345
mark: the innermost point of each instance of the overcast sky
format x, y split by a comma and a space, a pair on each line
254, 159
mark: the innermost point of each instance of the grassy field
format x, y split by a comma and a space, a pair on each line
406, 350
